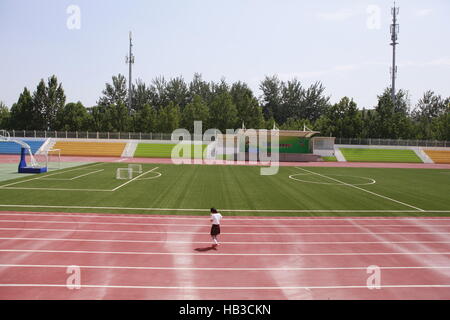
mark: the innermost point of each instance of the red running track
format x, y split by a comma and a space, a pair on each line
15, 159
170, 257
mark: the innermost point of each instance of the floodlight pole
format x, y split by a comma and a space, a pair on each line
130, 61
394, 36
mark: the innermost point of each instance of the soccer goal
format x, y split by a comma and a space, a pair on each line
135, 168
124, 173
51, 159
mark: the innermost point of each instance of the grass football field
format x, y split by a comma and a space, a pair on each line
234, 190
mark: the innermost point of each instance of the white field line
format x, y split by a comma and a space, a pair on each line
230, 218
228, 254
274, 226
222, 210
227, 243
74, 178
359, 188
55, 189
49, 175
28, 285
216, 268
228, 233
134, 179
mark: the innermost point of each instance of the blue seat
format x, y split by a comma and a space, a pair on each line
14, 148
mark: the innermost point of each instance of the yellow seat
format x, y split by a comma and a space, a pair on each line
103, 149
439, 156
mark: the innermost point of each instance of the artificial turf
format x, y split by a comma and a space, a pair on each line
193, 189
380, 155
160, 150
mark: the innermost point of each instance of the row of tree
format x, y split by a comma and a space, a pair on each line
164, 106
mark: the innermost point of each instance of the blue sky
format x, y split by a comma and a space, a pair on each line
323, 40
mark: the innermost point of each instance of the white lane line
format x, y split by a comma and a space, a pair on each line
230, 225
217, 268
359, 188
213, 254
186, 232
220, 288
124, 184
228, 218
221, 210
49, 175
227, 242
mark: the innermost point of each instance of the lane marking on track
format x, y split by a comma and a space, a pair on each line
222, 210
231, 218
227, 242
359, 188
274, 226
229, 233
227, 254
221, 288
218, 268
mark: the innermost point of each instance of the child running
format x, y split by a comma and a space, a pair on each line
215, 228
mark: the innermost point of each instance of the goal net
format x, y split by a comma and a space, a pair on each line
51, 159
128, 173
135, 168
124, 173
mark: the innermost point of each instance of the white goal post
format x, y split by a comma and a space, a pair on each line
124, 173
135, 168
51, 159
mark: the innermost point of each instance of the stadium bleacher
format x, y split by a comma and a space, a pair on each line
9, 147
104, 149
438, 156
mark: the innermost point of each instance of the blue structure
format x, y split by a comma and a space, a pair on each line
10, 147
23, 164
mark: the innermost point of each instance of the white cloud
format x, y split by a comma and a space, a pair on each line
423, 12
439, 62
339, 15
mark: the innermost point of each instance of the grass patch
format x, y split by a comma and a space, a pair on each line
329, 159
233, 187
156, 150
380, 155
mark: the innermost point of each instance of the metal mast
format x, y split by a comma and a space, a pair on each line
394, 36
130, 61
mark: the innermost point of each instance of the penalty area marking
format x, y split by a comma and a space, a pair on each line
371, 181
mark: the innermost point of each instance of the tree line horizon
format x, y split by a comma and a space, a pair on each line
165, 105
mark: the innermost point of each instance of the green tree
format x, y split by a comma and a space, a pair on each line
271, 98
73, 117
47, 101
145, 119
197, 110
393, 121
113, 106
23, 112
169, 118
223, 112
248, 110
4, 116
429, 109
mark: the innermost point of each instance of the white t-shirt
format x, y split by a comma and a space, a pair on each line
216, 217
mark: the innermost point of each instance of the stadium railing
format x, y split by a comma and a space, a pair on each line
167, 136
